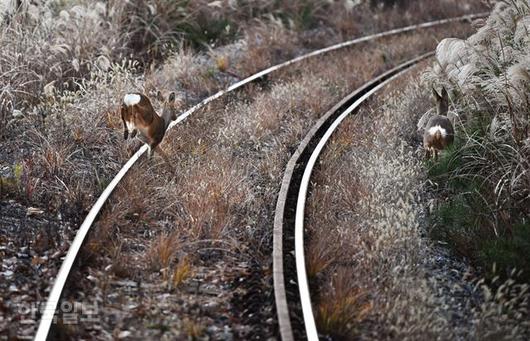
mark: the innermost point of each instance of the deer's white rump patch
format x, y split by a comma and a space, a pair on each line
131, 99
433, 130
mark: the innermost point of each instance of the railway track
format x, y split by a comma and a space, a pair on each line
291, 289
57, 289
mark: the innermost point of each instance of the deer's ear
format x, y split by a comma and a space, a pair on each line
445, 95
159, 95
171, 97
436, 94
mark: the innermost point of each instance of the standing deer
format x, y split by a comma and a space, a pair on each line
439, 132
138, 115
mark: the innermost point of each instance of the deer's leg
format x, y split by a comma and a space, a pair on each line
125, 129
129, 128
149, 152
436, 155
152, 143
427, 153
144, 139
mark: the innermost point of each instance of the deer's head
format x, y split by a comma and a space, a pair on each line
442, 101
169, 106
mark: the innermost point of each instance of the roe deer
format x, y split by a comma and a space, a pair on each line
138, 115
439, 132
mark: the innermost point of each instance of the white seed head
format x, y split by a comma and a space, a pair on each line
451, 51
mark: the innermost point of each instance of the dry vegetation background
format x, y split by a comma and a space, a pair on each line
487, 172
216, 215
378, 213
374, 272
172, 256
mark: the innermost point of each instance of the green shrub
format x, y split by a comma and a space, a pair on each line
475, 218
509, 252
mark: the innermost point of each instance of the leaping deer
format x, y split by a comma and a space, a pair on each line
138, 115
439, 132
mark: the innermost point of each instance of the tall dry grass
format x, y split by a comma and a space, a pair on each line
370, 200
487, 171
50, 45
64, 67
220, 203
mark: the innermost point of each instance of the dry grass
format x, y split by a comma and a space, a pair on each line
46, 51
46, 47
193, 329
59, 96
221, 201
342, 307
486, 172
181, 272
162, 252
384, 252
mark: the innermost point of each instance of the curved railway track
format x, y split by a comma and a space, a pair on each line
285, 327
292, 292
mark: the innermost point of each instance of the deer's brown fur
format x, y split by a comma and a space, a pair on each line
439, 132
139, 116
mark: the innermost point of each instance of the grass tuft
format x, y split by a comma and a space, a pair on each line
341, 310
181, 272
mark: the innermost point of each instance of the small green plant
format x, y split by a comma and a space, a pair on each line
210, 73
206, 31
455, 226
448, 160
18, 170
13, 185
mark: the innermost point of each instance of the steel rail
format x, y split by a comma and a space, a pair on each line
293, 192
53, 299
303, 285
